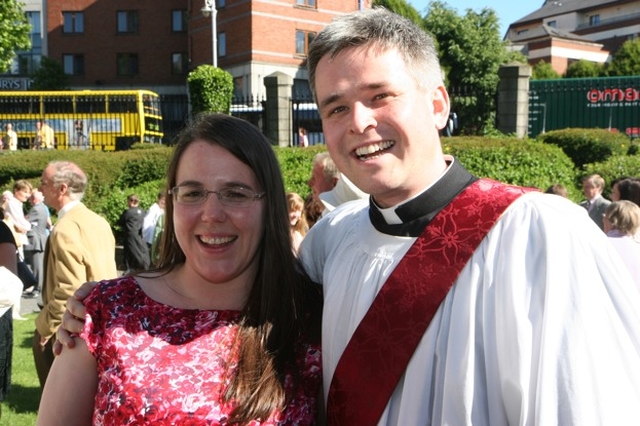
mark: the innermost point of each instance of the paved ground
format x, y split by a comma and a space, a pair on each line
28, 306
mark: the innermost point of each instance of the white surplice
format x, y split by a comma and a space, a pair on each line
542, 326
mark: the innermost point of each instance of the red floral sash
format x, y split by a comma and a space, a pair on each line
380, 349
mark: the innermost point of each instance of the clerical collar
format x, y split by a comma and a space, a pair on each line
417, 212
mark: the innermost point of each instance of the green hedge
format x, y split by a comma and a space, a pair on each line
515, 161
585, 146
114, 175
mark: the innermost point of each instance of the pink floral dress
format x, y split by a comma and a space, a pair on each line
166, 366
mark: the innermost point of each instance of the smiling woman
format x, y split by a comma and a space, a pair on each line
228, 304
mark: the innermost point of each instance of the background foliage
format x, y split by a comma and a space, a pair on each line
50, 76
586, 146
210, 89
14, 32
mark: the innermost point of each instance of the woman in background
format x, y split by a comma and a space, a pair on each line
297, 219
622, 226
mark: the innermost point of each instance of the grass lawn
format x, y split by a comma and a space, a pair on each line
21, 406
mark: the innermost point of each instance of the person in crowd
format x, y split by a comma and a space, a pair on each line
557, 189
627, 188
324, 175
9, 290
344, 191
81, 247
312, 209
524, 282
10, 138
151, 219
297, 219
14, 207
303, 139
158, 232
38, 217
136, 252
45, 136
622, 226
229, 305
80, 136
13, 292
595, 203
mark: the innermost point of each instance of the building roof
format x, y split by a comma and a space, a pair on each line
561, 7
544, 31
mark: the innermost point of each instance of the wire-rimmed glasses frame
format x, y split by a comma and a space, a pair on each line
233, 196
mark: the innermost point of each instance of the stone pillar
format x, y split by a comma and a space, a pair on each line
513, 99
279, 127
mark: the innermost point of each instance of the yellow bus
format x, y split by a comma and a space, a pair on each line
104, 120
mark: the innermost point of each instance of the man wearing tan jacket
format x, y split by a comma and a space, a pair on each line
81, 248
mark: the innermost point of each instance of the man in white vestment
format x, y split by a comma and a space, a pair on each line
541, 327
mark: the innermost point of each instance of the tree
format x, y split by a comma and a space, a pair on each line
210, 89
544, 71
471, 52
50, 76
584, 69
626, 60
402, 8
14, 32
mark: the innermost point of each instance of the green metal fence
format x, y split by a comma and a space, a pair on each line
608, 103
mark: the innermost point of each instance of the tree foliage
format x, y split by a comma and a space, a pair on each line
584, 69
50, 76
14, 32
402, 8
210, 89
471, 52
544, 71
626, 60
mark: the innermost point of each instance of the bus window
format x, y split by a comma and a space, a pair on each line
19, 105
122, 103
87, 104
56, 105
151, 105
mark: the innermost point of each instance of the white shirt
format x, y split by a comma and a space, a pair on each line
542, 326
149, 222
628, 247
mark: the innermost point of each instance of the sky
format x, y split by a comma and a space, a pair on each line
508, 11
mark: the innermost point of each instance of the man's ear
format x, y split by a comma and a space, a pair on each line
62, 189
441, 106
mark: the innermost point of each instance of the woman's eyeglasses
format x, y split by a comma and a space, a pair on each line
231, 197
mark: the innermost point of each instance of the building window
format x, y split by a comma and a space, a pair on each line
552, 24
308, 3
303, 40
72, 22
73, 64
594, 19
179, 21
127, 64
179, 63
26, 62
127, 21
522, 32
222, 44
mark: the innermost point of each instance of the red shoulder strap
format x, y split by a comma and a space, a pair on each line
380, 349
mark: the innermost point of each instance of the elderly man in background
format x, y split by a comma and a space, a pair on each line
81, 248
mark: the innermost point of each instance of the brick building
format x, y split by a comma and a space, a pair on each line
153, 44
